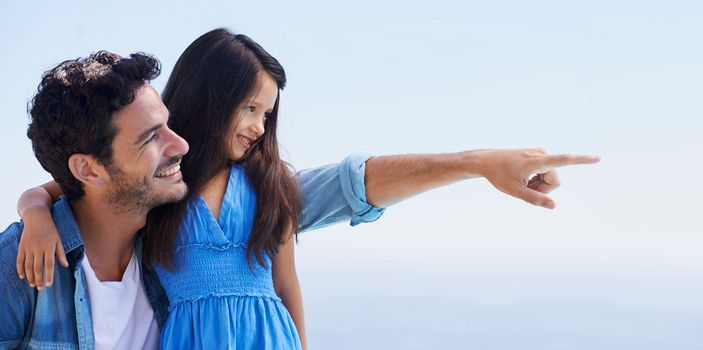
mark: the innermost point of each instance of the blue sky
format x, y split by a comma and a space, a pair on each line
618, 263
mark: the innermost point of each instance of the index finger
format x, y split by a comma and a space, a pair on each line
557, 160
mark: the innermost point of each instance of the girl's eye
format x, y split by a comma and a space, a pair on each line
251, 108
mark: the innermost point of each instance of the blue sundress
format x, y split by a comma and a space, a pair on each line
216, 300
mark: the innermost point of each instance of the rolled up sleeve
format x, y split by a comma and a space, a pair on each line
336, 193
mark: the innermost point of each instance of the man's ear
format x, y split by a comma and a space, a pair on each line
86, 169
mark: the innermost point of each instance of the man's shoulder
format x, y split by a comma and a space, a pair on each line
9, 243
12, 287
16, 296
10, 237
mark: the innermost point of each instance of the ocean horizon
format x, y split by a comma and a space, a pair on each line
499, 310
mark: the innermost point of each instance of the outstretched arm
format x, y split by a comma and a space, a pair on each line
40, 241
527, 174
335, 193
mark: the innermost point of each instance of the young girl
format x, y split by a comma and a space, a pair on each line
224, 255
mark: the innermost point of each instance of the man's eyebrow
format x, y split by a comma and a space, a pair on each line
145, 135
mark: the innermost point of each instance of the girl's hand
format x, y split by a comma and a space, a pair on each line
39, 248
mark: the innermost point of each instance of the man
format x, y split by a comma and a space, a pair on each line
93, 126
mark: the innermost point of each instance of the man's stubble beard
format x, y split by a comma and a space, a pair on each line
136, 195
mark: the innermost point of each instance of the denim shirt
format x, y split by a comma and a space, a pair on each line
59, 317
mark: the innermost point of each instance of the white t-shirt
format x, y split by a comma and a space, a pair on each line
122, 315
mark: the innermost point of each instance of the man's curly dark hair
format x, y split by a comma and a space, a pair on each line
73, 108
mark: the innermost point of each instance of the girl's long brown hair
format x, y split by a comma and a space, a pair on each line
213, 76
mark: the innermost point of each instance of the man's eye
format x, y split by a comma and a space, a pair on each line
152, 138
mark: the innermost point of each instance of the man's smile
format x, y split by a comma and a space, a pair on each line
170, 171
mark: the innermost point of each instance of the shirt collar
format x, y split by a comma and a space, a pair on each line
66, 224
69, 232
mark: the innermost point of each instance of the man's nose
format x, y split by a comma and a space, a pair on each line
178, 145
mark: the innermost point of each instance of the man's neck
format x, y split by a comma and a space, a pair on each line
108, 234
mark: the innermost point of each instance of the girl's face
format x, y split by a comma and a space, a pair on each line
250, 117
